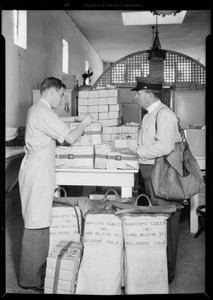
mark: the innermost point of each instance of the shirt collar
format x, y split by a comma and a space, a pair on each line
153, 106
46, 102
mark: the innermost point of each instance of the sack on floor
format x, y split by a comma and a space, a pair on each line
145, 259
66, 221
100, 272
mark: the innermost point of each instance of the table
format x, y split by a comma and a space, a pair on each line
98, 177
13, 158
194, 201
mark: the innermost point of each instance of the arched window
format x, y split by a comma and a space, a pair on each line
178, 68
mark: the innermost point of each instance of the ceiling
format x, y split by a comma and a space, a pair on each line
112, 40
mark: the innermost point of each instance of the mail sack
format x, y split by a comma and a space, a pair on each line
100, 271
145, 259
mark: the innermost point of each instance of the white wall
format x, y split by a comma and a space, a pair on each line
25, 69
190, 107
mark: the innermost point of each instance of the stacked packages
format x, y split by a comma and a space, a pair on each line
119, 140
91, 135
106, 158
102, 140
62, 268
74, 157
103, 105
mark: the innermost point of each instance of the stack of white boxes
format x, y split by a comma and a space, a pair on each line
62, 268
103, 105
106, 136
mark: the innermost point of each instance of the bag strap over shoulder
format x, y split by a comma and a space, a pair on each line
181, 130
157, 116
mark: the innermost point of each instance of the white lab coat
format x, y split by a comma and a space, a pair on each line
37, 170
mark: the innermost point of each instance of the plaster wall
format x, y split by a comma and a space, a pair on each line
26, 69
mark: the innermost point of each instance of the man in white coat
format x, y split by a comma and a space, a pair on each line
37, 178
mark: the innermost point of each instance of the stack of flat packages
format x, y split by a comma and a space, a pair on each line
67, 157
103, 105
118, 135
106, 158
62, 268
91, 134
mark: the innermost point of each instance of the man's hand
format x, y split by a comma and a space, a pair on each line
87, 120
131, 148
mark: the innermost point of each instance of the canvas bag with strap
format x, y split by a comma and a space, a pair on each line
177, 176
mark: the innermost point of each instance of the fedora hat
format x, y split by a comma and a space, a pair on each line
148, 83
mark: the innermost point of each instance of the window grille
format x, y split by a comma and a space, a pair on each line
178, 68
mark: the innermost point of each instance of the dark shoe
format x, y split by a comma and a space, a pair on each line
38, 289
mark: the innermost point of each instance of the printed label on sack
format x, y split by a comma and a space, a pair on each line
64, 222
145, 231
103, 230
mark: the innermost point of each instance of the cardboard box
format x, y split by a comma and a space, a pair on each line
106, 158
103, 122
116, 129
82, 101
83, 109
130, 129
83, 94
106, 137
102, 101
93, 94
112, 100
50, 291
118, 144
107, 130
114, 114
62, 267
113, 93
63, 274
92, 108
113, 122
115, 107
102, 93
103, 115
93, 128
67, 286
92, 101
103, 108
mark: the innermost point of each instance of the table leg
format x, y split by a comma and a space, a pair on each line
193, 214
126, 191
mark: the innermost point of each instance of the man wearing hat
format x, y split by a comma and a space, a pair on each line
157, 137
